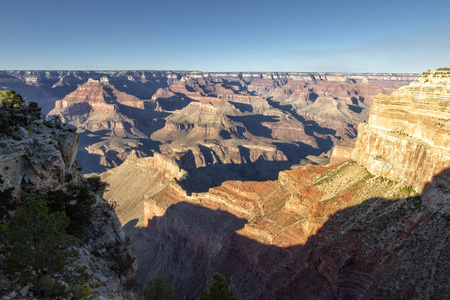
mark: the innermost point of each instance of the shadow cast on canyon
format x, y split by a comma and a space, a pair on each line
253, 124
202, 179
311, 126
146, 121
358, 253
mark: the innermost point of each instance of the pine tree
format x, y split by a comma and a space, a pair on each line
218, 290
159, 290
37, 242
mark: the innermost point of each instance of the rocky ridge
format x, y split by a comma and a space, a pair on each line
40, 159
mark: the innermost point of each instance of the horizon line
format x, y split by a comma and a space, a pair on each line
198, 71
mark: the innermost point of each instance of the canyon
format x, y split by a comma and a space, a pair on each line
234, 125
374, 226
282, 182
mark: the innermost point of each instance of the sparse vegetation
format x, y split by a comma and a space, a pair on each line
37, 243
15, 113
400, 133
218, 290
159, 289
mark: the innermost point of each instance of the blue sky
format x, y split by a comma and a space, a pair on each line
208, 35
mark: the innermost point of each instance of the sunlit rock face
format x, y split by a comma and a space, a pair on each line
223, 118
316, 232
407, 137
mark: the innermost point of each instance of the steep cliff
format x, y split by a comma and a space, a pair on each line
407, 137
334, 232
41, 160
315, 232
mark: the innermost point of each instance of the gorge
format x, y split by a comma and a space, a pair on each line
349, 230
240, 125
198, 165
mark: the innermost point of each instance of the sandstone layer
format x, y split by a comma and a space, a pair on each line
316, 232
275, 117
407, 137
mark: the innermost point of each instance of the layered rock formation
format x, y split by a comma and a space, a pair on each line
334, 232
274, 116
407, 137
315, 232
95, 106
99, 111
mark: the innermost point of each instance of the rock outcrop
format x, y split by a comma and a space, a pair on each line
407, 137
41, 159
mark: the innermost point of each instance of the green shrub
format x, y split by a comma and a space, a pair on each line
46, 286
37, 241
80, 291
218, 290
76, 202
131, 283
14, 112
123, 264
158, 290
96, 184
7, 200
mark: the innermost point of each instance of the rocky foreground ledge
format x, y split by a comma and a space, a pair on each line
40, 159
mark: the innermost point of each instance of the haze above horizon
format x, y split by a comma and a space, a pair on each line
219, 36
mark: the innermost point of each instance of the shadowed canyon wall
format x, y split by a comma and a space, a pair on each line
315, 232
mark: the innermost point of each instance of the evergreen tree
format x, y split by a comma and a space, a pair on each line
12, 103
36, 241
218, 290
159, 290
15, 112
77, 203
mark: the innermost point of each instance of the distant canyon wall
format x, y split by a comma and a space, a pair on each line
46, 87
232, 118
